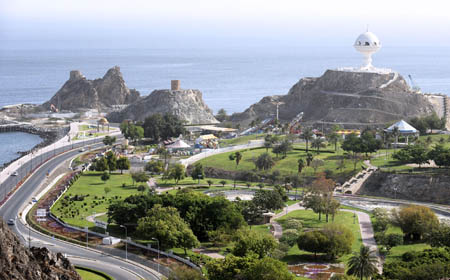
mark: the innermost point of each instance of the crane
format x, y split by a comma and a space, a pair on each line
415, 87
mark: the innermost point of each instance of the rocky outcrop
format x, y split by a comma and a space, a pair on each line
187, 104
79, 92
19, 263
415, 187
353, 99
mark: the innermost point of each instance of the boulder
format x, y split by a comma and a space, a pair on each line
17, 262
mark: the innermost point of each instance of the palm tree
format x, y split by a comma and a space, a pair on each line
363, 264
316, 143
395, 133
334, 138
237, 158
307, 136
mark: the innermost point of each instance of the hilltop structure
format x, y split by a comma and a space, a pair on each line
353, 97
187, 104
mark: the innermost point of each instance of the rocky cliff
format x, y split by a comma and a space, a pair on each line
19, 263
424, 188
350, 98
79, 92
188, 105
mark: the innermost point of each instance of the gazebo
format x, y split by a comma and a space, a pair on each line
404, 129
102, 122
178, 145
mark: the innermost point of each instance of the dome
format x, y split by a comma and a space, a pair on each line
103, 121
368, 39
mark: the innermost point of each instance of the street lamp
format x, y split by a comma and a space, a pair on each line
126, 241
156, 239
199, 176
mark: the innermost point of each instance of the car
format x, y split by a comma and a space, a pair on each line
34, 200
11, 222
82, 150
15, 173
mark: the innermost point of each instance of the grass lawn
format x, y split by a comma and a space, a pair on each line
88, 275
286, 165
397, 251
92, 188
310, 220
240, 140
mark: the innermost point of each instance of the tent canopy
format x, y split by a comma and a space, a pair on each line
179, 144
403, 127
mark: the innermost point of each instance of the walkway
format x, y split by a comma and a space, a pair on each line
353, 185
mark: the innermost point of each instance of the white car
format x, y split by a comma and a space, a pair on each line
82, 150
11, 222
15, 173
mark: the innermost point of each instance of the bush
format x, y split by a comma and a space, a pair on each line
289, 237
293, 223
380, 237
394, 239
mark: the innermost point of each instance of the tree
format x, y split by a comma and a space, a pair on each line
440, 155
309, 159
104, 177
154, 166
341, 240
412, 154
353, 143
223, 182
300, 165
314, 202
176, 172
415, 221
440, 236
317, 143
108, 140
164, 153
282, 148
368, 142
141, 188
237, 158
264, 162
131, 131
268, 269
165, 224
307, 135
334, 138
313, 241
363, 263
221, 115
249, 242
100, 164
197, 173
111, 161
210, 182
296, 182
159, 127
316, 163
107, 190
268, 200
139, 177
123, 164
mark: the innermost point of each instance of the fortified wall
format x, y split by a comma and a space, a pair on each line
441, 104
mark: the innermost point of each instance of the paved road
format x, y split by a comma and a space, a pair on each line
113, 265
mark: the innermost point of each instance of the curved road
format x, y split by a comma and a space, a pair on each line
116, 267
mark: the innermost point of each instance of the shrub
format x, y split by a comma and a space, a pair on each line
293, 223
394, 239
289, 237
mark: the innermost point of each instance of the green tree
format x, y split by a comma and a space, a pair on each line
334, 139
415, 221
341, 240
183, 272
163, 153
249, 242
316, 163
363, 264
309, 159
440, 236
223, 182
108, 140
141, 188
268, 200
264, 162
353, 144
162, 127
440, 155
154, 166
197, 172
210, 182
165, 224
111, 161
139, 177
176, 172
313, 241
100, 164
268, 269
221, 115
300, 165
317, 143
123, 164
307, 135
107, 190
104, 177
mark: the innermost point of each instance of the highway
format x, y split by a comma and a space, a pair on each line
114, 266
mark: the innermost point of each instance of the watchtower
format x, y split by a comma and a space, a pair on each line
175, 85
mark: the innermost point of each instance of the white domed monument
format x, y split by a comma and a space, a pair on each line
367, 44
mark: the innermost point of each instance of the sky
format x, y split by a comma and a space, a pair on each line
209, 23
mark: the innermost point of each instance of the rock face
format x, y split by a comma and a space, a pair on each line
79, 92
425, 188
16, 262
353, 99
188, 105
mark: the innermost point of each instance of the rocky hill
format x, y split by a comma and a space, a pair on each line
187, 104
17, 262
353, 99
79, 92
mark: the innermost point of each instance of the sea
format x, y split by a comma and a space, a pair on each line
13, 142
232, 78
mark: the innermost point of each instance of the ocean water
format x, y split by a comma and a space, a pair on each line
230, 78
13, 142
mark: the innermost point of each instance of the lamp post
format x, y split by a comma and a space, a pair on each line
126, 241
199, 177
156, 239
